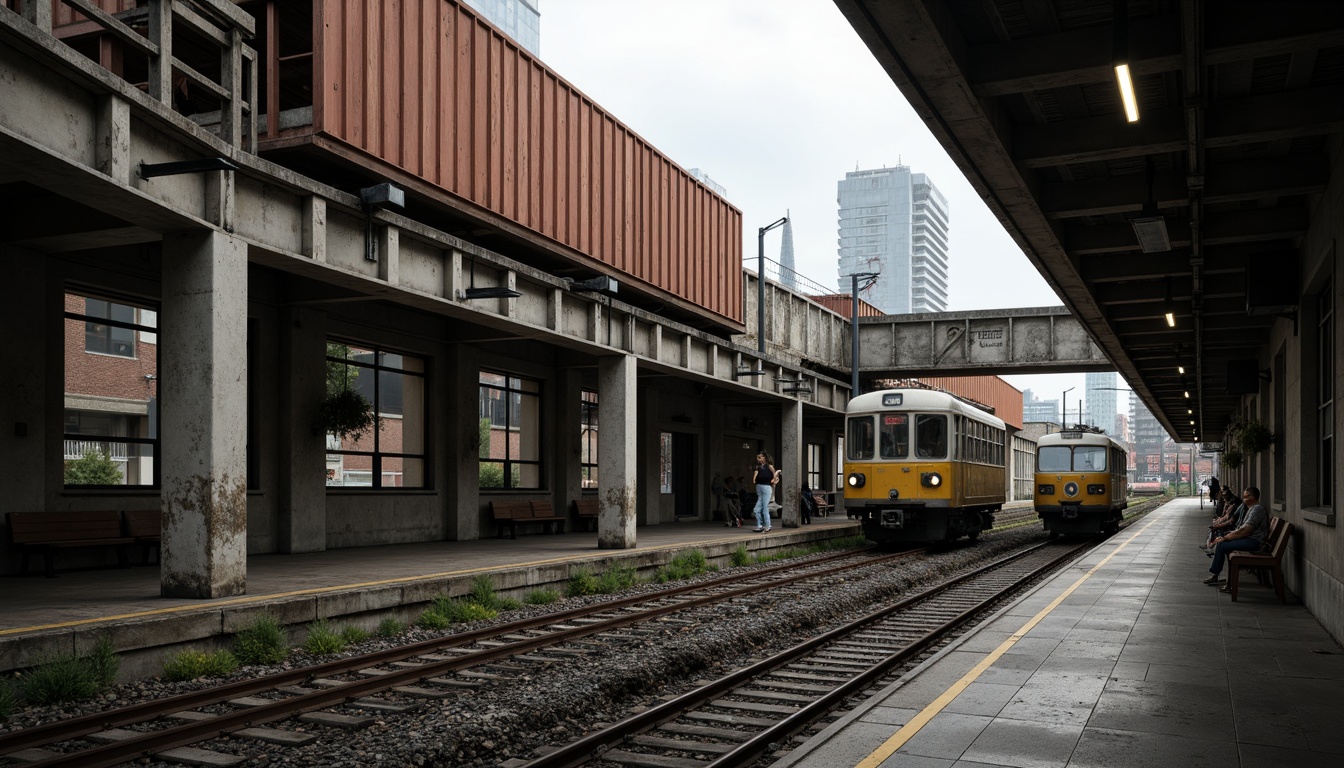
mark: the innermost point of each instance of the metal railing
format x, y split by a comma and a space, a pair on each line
78, 449
148, 30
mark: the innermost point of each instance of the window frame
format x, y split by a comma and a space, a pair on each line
137, 328
377, 455
509, 463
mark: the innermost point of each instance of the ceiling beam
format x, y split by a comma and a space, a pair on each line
1224, 227
1240, 31
1260, 179
1230, 122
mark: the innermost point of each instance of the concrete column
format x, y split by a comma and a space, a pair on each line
302, 483
790, 462
463, 444
203, 388
617, 479
25, 441
566, 445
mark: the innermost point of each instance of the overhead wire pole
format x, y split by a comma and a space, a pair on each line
854, 328
760, 282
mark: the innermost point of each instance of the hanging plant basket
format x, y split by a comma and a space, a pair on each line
1254, 438
1231, 458
346, 414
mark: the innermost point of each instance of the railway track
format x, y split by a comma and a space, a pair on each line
742, 716
385, 682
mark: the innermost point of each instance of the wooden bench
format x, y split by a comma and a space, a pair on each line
511, 513
47, 533
1280, 533
824, 507
146, 527
586, 511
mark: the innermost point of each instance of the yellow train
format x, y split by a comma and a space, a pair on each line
1081, 482
922, 466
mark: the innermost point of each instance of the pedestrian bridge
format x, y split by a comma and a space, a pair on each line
976, 342
992, 341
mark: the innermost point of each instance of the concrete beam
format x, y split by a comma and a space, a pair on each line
1039, 340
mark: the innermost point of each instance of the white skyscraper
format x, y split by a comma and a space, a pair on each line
894, 222
520, 19
1100, 400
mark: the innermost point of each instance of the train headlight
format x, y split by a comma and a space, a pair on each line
1045, 489
856, 480
930, 479
1096, 489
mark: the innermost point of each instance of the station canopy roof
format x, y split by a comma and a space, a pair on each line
1239, 105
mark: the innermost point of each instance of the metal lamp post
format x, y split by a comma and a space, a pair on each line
854, 328
760, 280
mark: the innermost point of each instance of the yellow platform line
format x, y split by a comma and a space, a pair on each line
337, 588
908, 731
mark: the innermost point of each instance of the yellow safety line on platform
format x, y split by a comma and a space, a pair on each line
319, 590
908, 731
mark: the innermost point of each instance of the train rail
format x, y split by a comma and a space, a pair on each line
742, 716
386, 681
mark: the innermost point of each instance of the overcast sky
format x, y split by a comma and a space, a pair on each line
776, 100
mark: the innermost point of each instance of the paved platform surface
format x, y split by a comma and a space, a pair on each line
1123, 659
82, 599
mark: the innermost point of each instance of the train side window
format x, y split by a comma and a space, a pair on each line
1054, 458
859, 438
930, 436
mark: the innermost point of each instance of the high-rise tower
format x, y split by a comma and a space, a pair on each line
519, 19
895, 222
1100, 400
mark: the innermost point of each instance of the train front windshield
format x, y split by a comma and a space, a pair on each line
1066, 458
887, 436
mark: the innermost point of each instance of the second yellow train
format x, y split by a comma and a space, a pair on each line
1081, 482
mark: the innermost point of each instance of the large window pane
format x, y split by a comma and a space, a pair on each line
510, 426
895, 435
392, 455
1054, 458
588, 438
111, 404
1089, 458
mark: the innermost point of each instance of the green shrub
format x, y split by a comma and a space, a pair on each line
618, 578
541, 597
95, 467
353, 634
582, 582
432, 619
465, 610
190, 665
740, 556
103, 664
390, 628
264, 642
8, 701
483, 594
684, 566
322, 639
58, 679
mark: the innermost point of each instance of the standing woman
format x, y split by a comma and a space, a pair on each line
764, 476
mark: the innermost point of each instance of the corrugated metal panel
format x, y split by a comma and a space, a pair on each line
993, 391
843, 304
427, 86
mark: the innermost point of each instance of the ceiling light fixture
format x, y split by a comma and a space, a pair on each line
1180, 369
486, 292
1120, 60
1150, 226
1170, 312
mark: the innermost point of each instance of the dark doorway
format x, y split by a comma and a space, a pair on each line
684, 492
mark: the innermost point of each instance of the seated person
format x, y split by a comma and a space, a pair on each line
732, 500
1229, 521
1248, 536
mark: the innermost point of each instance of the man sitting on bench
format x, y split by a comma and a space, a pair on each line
1249, 536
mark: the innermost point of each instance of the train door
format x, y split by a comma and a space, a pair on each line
684, 466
